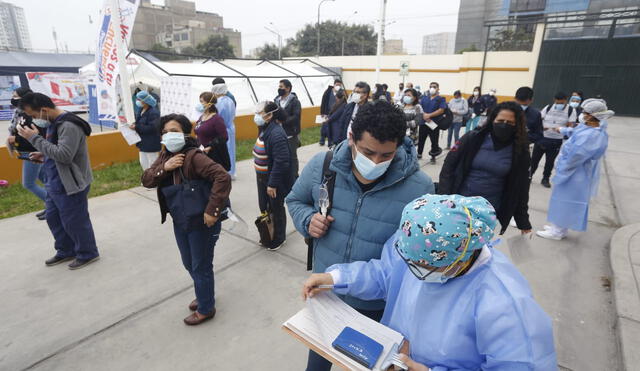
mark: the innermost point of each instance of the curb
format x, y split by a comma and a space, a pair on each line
626, 295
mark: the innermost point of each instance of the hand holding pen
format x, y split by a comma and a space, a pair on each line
317, 283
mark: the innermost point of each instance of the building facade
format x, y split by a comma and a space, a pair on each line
14, 33
439, 43
473, 14
393, 46
178, 25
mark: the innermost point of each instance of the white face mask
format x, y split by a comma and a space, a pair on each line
491, 93
369, 169
337, 88
476, 93
432, 91
355, 98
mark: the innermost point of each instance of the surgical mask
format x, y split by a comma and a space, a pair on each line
524, 107
337, 88
354, 98
503, 132
257, 118
581, 119
491, 93
15, 102
281, 92
369, 169
173, 141
200, 107
476, 93
407, 99
41, 123
139, 104
432, 91
575, 104
558, 106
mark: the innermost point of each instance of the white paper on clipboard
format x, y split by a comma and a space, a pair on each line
432, 125
129, 134
320, 119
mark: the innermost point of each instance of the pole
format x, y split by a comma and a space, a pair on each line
318, 27
343, 45
484, 58
383, 6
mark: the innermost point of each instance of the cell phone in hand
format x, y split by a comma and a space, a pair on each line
24, 156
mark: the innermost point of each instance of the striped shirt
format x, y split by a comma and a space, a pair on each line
260, 159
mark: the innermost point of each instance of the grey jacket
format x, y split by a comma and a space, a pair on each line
71, 155
459, 108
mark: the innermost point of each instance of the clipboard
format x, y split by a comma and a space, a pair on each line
309, 345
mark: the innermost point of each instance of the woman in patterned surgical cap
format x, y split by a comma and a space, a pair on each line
459, 303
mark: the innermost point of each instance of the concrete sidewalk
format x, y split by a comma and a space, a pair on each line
125, 311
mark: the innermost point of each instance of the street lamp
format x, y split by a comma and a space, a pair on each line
318, 26
279, 38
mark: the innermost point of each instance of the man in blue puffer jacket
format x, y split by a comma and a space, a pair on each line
377, 174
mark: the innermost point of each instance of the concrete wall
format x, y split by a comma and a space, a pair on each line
108, 148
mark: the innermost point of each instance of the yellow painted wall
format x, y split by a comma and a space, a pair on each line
107, 148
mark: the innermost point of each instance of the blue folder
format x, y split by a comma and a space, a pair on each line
358, 347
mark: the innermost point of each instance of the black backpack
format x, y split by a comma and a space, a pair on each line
444, 120
548, 107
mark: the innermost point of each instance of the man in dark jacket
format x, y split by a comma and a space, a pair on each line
68, 171
358, 98
289, 102
524, 97
328, 101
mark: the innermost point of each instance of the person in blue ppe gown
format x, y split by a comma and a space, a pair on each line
577, 171
459, 303
227, 110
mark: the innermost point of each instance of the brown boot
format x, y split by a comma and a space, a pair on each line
194, 305
197, 318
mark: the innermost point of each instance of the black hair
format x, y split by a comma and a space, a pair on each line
208, 97
382, 120
365, 86
413, 93
341, 99
184, 122
434, 83
560, 95
524, 93
478, 89
22, 91
337, 80
385, 86
217, 80
457, 92
286, 83
36, 101
521, 140
277, 112
579, 92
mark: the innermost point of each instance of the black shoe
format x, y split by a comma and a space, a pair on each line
57, 260
545, 183
276, 246
321, 143
433, 160
42, 215
419, 156
79, 263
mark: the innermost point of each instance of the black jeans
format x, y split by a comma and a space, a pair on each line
316, 362
294, 143
276, 207
548, 147
434, 135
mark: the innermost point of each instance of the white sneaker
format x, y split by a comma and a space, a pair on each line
513, 223
550, 235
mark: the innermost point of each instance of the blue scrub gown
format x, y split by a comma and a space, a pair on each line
577, 176
227, 110
486, 319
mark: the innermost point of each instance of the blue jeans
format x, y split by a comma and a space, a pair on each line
31, 171
70, 225
316, 362
454, 130
196, 250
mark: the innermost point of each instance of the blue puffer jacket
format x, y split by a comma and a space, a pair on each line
363, 221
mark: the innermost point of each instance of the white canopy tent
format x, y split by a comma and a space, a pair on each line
249, 80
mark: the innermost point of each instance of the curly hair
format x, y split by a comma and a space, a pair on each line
521, 140
381, 120
184, 122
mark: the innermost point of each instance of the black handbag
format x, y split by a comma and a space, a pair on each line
188, 201
264, 223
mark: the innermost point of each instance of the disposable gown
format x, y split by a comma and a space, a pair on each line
227, 110
577, 176
484, 320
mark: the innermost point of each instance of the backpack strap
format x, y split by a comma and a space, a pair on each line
328, 177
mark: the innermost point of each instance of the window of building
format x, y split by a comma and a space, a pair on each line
185, 36
519, 6
176, 37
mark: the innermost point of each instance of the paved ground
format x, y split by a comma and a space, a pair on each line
125, 312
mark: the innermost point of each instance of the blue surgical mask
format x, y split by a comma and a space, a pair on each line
407, 99
574, 104
369, 169
199, 107
558, 106
173, 141
257, 118
41, 123
139, 104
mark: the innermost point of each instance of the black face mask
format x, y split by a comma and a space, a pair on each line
281, 92
503, 132
15, 102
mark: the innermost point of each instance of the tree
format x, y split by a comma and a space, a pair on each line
471, 48
165, 52
270, 51
510, 40
336, 38
216, 46
188, 50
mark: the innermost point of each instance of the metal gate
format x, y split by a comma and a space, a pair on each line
598, 54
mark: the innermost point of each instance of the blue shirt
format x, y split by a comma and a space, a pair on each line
432, 104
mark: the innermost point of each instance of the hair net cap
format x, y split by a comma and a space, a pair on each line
147, 98
597, 108
219, 89
435, 228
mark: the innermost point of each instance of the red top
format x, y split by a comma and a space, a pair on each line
208, 130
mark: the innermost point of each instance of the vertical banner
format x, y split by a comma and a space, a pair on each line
7, 85
112, 82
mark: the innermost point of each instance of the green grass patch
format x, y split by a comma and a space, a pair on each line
15, 200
